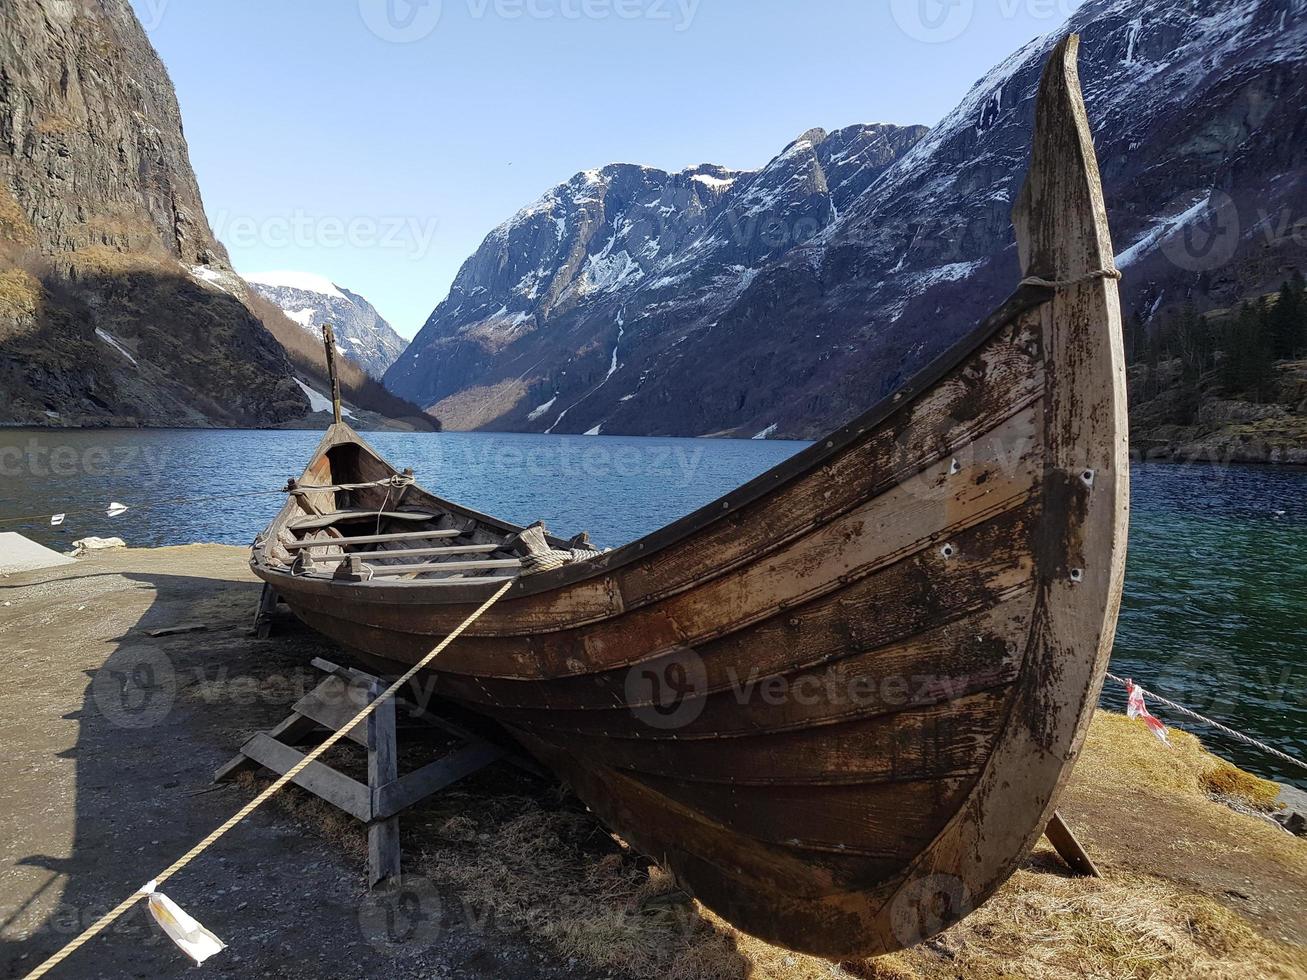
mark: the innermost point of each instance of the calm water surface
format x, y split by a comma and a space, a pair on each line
1215, 611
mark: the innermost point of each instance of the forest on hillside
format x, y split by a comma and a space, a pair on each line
1234, 354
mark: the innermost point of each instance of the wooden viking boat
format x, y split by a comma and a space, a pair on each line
840, 702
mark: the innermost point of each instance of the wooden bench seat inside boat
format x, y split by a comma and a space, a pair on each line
439, 551
446, 533
316, 521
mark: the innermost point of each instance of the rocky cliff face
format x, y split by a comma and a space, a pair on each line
102, 234
361, 332
787, 300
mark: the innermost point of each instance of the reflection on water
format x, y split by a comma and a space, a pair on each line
1214, 613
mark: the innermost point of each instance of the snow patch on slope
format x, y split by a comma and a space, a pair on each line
307, 281
319, 402
112, 342
540, 410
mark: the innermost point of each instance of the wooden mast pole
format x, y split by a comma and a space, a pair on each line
329, 339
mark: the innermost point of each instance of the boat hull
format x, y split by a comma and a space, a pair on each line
838, 704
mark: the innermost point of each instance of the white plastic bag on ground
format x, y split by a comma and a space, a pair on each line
192, 938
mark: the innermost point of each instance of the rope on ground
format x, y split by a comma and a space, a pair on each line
117, 912
1240, 736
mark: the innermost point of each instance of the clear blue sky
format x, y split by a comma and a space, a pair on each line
375, 143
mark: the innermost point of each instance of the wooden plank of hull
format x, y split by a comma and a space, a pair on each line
900, 600
1062, 228
968, 419
671, 832
894, 820
941, 740
972, 652
844, 564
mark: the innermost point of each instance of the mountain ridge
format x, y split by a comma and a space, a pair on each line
795, 331
362, 334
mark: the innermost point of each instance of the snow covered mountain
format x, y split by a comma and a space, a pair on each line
311, 300
785, 300
549, 287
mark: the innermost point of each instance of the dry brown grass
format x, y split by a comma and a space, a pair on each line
54, 123
106, 260
20, 294
1118, 751
1044, 926
15, 227
480, 405
534, 871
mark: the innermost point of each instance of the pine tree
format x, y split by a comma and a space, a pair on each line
1287, 319
1153, 355
1258, 357
1248, 365
1136, 340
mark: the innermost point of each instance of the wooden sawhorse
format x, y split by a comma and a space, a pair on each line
386, 794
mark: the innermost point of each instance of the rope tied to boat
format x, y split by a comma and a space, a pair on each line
547, 561
110, 917
1109, 273
395, 482
1239, 736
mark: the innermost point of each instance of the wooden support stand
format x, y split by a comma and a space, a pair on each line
386, 794
267, 610
1068, 848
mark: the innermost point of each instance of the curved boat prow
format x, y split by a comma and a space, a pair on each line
1065, 247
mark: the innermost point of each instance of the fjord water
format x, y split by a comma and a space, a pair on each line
1215, 610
